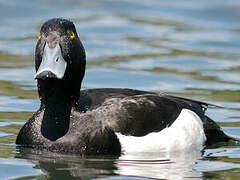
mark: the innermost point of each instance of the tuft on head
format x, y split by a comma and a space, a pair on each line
58, 24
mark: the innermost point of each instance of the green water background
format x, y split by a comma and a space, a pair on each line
188, 48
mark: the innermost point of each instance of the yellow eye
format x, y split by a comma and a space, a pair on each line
72, 35
39, 36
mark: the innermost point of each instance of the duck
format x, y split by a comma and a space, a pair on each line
105, 121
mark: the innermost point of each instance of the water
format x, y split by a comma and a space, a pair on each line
188, 48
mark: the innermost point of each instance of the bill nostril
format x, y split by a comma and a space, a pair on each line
57, 59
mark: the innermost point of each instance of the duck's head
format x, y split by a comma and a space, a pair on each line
59, 61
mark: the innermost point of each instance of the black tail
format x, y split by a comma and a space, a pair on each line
214, 133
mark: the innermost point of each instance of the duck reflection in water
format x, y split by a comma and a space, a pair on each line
141, 165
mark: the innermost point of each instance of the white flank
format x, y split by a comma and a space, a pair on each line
186, 132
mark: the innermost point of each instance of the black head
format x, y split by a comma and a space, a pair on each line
59, 61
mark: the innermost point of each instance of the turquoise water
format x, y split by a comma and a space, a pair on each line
188, 48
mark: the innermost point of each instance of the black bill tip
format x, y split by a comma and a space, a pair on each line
46, 75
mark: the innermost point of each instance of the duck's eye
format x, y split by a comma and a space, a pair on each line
72, 35
39, 36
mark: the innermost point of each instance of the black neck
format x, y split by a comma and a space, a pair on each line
56, 118
56, 101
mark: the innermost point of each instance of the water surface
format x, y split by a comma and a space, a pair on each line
179, 47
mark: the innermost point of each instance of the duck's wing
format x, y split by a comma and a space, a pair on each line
135, 112
93, 98
131, 112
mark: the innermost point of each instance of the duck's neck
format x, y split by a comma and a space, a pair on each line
56, 104
57, 99
56, 119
